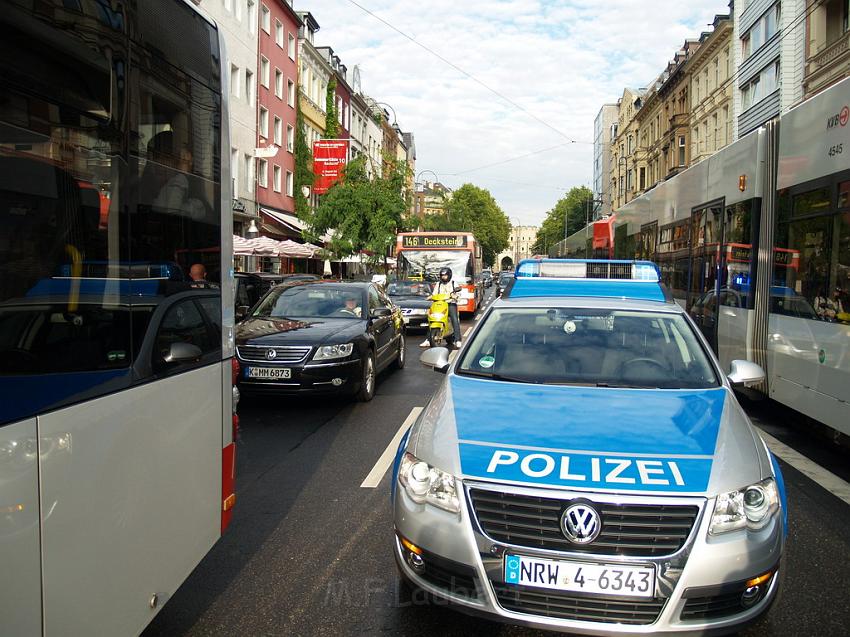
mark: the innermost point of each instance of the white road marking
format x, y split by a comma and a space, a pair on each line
477, 317
468, 330
826, 479
377, 473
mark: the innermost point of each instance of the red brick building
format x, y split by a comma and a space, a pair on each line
277, 76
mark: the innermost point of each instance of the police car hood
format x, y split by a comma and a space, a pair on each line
690, 441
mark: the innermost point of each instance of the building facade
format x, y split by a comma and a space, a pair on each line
710, 72
624, 146
239, 24
342, 95
277, 73
602, 130
769, 39
521, 241
827, 44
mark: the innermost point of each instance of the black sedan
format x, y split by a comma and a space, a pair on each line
412, 298
320, 337
505, 279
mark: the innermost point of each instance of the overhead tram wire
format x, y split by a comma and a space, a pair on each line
467, 74
510, 159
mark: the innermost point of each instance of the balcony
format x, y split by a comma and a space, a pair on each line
828, 65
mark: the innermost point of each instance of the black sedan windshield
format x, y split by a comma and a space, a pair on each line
311, 301
589, 347
409, 288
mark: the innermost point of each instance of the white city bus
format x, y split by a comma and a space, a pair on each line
784, 190
116, 401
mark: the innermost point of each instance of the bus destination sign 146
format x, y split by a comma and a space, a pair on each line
434, 241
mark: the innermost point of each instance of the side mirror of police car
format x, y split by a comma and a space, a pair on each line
437, 358
745, 373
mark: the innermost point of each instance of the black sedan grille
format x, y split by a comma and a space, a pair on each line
283, 354
634, 530
556, 604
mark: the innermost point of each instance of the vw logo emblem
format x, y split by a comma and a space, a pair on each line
271, 354
581, 523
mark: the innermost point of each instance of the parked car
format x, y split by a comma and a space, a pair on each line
412, 298
320, 337
487, 278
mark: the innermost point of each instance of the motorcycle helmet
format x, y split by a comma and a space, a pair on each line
445, 275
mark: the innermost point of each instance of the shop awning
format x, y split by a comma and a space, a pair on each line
268, 247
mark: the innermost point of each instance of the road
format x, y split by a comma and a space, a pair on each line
309, 549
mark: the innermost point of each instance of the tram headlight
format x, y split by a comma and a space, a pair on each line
427, 484
749, 508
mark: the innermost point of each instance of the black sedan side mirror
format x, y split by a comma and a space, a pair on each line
241, 312
381, 312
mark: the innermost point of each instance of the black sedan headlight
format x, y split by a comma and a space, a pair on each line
333, 352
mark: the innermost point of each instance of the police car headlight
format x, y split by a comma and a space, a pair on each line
330, 352
749, 508
427, 484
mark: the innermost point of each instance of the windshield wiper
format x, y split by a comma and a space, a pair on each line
625, 386
494, 376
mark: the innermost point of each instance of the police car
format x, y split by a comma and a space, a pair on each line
586, 467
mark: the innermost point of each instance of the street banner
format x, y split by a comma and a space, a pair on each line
329, 157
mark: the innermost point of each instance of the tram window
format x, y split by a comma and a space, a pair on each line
738, 246
802, 260
842, 270
844, 194
811, 202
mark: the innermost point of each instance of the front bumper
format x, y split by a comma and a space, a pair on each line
415, 319
342, 377
696, 587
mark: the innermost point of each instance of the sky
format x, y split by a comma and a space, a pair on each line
516, 77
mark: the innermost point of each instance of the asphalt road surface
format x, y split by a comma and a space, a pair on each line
309, 549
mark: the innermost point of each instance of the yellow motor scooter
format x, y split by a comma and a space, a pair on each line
440, 332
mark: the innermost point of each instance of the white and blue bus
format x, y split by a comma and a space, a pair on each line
755, 242
116, 373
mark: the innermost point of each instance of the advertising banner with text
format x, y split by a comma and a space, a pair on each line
329, 157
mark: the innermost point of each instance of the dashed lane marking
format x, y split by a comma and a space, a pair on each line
377, 473
468, 330
826, 479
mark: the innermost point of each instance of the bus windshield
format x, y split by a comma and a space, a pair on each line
425, 265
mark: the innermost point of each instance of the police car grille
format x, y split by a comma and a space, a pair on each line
638, 530
283, 354
453, 577
713, 607
535, 601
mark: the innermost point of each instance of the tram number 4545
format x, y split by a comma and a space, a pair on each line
837, 149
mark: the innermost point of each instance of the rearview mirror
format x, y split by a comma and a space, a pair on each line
183, 353
745, 373
437, 358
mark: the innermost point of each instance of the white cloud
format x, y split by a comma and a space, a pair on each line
560, 60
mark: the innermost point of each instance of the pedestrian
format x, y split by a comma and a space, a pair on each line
447, 285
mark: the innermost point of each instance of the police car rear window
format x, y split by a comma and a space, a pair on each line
589, 347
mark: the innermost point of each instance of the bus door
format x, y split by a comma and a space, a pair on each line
706, 267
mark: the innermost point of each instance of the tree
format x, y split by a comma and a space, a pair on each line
575, 207
303, 164
331, 117
365, 214
473, 209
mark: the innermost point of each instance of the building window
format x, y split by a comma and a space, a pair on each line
234, 80
263, 174
291, 47
266, 19
264, 122
249, 86
290, 93
264, 71
716, 132
234, 171
290, 183
760, 86
277, 178
764, 29
278, 131
278, 83
228, 5
249, 172
290, 138
252, 16
278, 33
642, 178
681, 150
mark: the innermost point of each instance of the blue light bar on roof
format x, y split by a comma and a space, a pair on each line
638, 280
620, 270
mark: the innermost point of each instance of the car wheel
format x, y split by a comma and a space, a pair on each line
367, 381
401, 357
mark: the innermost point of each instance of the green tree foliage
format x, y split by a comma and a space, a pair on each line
575, 207
473, 209
331, 117
303, 164
365, 214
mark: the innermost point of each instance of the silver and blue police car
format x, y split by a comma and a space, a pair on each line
586, 467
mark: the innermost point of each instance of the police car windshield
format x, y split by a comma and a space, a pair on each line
589, 347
